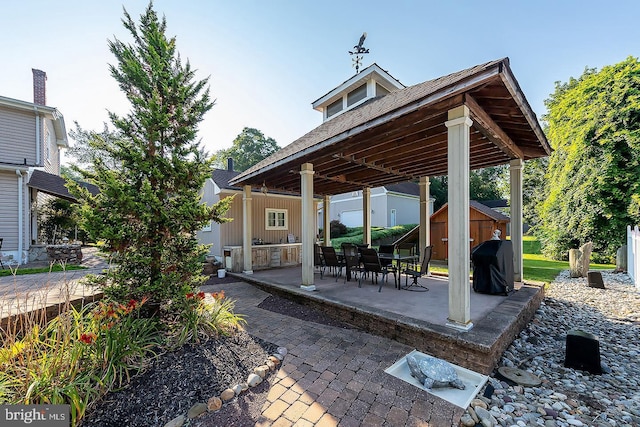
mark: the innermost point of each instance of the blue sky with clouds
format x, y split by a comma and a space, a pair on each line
268, 60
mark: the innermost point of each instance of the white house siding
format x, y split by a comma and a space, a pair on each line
208, 236
51, 162
17, 137
407, 208
9, 210
348, 206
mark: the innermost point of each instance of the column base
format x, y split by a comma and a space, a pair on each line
308, 287
459, 326
247, 272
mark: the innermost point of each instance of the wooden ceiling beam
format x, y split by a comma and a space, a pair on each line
485, 124
374, 166
341, 179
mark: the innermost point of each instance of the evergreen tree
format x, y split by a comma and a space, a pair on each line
149, 208
594, 172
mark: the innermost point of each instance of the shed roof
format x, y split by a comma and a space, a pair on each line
485, 210
402, 136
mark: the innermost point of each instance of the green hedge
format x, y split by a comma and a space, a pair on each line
354, 234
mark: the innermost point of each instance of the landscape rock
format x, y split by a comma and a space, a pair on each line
253, 380
176, 422
261, 371
467, 421
196, 410
227, 395
274, 359
214, 403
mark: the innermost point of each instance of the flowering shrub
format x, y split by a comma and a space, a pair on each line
118, 340
76, 357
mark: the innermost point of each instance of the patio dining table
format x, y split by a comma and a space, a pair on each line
399, 260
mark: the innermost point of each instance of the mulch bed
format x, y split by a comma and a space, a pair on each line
177, 380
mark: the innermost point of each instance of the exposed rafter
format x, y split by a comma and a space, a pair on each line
341, 179
485, 124
373, 166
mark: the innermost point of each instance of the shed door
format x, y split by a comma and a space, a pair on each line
438, 233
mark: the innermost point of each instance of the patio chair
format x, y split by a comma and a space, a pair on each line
331, 260
407, 249
371, 264
318, 262
361, 246
387, 249
417, 274
352, 260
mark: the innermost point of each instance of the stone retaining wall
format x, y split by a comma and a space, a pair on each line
479, 349
71, 254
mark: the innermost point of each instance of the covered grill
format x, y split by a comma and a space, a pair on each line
493, 267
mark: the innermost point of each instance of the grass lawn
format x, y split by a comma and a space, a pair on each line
536, 267
56, 267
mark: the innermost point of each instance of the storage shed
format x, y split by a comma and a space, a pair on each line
482, 221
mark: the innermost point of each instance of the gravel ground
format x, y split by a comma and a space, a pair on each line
568, 396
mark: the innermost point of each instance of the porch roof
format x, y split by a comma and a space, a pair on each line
402, 136
55, 185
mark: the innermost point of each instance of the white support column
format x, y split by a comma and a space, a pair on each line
326, 219
247, 231
515, 208
308, 222
458, 232
366, 215
425, 217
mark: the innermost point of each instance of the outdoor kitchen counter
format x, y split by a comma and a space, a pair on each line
263, 256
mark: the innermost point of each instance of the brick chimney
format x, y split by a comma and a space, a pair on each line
39, 87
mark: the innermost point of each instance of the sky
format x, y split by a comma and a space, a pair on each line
268, 60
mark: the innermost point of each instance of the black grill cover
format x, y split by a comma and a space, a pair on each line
493, 267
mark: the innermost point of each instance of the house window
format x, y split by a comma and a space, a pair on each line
276, 219
47, 145
380, 91
334, 108
357, 95
207, 227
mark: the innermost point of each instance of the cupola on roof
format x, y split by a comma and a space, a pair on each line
372, 82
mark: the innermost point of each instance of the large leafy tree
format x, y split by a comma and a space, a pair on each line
484, 184
594, 172
534, 189
248, 148
149, 209
489, 183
